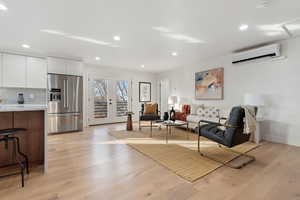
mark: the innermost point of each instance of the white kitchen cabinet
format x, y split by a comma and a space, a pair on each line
57, 66
36, 73
1, 70
74, 68
64, 66
13, 71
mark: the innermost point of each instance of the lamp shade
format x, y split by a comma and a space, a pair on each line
254, 100
172, 100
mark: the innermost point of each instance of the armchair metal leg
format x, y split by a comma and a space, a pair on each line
139, 124
251, 158
151, 128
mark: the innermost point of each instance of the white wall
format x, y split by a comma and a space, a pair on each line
278, 81
121, 74
31, 96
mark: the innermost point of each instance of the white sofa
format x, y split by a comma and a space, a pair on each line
209, 113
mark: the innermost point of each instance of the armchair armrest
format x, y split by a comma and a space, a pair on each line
217, 124
223, 118
210, 122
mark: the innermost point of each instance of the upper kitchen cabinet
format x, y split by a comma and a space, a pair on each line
36, 73
57, 66
63, 66
1, 70
13, 71
74, 68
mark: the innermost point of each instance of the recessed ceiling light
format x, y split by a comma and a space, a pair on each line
142, 66
174, 54
97, 58
244, 27
26, 46
3, 7
117, 38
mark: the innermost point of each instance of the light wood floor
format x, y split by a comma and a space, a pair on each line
89, 166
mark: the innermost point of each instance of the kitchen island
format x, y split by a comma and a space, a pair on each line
33, 141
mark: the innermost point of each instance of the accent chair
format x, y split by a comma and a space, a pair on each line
230, 136
149, 112
185, 111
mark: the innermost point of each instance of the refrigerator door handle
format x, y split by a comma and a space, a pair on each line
65, 94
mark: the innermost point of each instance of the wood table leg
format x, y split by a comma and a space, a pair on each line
129, 122
151, 128
167, 134
187, 131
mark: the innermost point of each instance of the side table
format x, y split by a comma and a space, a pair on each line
257, 137
129, 126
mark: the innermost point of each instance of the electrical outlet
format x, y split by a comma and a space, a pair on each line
31, 96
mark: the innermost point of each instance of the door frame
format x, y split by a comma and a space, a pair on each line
111, 109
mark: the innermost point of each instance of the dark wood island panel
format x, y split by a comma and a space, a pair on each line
32, 141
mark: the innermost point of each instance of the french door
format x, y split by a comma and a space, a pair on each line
109, 100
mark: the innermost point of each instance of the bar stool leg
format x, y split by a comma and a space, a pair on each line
17, 159
22, 174
22, 154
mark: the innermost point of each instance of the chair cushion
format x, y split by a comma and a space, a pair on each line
150, 109
149, 117
214, 133
180, 116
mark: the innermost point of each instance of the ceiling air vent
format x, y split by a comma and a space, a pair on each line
269, 51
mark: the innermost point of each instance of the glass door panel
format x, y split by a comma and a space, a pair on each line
100, 99
122, 98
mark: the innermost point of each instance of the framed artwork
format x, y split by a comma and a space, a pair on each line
209, 85
144, 91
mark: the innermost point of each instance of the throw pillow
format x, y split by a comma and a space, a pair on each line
150, 109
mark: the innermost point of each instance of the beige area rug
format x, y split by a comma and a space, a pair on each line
180, 155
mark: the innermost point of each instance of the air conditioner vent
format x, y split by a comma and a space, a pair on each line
270, 51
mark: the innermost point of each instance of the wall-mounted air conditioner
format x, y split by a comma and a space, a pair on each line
269, 51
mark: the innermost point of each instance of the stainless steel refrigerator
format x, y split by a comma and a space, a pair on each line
65, 99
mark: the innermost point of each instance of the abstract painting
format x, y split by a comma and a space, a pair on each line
209, 84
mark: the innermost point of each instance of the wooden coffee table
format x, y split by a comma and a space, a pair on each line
177, 123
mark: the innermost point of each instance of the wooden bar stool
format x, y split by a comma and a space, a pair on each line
6, 136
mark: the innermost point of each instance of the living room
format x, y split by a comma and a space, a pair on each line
149, 99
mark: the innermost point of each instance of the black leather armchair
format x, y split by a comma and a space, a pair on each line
232, 135
148, 117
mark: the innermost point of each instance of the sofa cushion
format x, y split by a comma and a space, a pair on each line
213, 133
194, 108
193, 118
208, 112
197, 118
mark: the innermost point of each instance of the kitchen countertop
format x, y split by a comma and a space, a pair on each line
23, 107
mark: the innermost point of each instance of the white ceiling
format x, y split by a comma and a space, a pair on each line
150, 30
